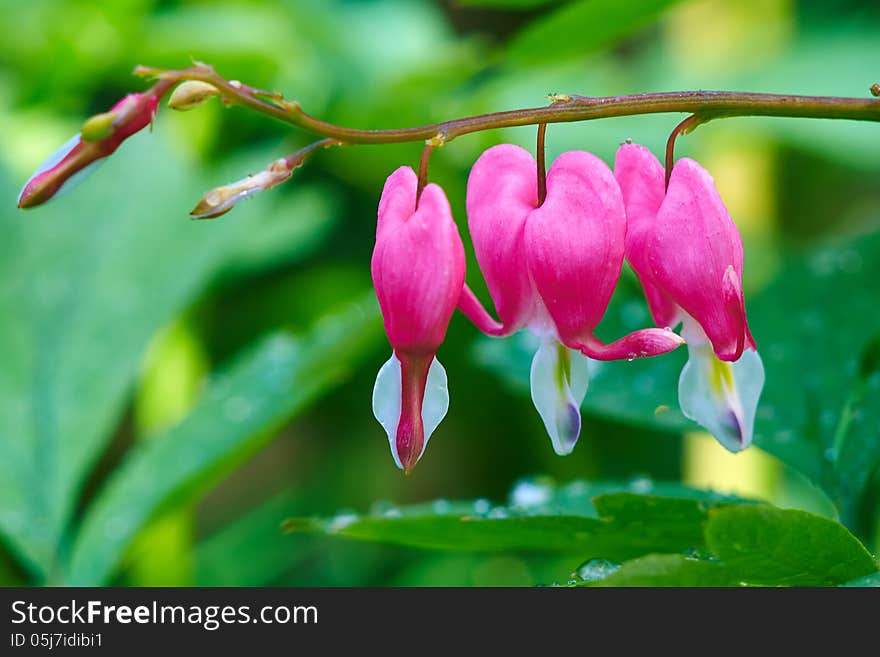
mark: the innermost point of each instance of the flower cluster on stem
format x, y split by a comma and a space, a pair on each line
550, 244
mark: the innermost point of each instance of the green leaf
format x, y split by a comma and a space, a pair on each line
857, 438
756, 545
85, 282
581, 28
257, 534
614, 526
868, 581
767, 546
237, 414
816, 413
668, 570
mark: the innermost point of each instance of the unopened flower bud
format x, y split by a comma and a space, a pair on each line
190, 94
221, 200
100, 137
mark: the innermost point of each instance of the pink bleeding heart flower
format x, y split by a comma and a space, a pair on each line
101, 136
688, 255
418, 273
552, 268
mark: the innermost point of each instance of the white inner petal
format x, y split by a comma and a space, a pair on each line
721, 396
559, 378
386, 401
436, 401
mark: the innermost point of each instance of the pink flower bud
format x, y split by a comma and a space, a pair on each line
104, 134
688, 255
418, 273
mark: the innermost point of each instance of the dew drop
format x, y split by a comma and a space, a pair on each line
530, 492
641, 485
596, 569
342, 520
482, 506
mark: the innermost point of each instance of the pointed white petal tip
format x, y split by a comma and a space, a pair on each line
722, 397
386, 401
559, 381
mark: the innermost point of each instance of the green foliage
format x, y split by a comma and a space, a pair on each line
693, 539
506, 4
758, 546
236, 414
868, 581
820, 411
668, 570
581, 28
768, 546
116, 277
87, 282
586, 519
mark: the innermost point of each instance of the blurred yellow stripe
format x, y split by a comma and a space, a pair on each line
750, 473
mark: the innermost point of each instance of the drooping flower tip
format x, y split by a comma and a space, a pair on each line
221, 200
410, 402
47, 180
409, 442
559, 380
722, 396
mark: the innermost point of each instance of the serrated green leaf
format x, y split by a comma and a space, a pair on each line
777, 547
237, 413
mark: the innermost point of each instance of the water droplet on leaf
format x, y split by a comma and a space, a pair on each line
596, 569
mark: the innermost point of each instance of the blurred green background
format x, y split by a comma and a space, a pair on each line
171, 390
